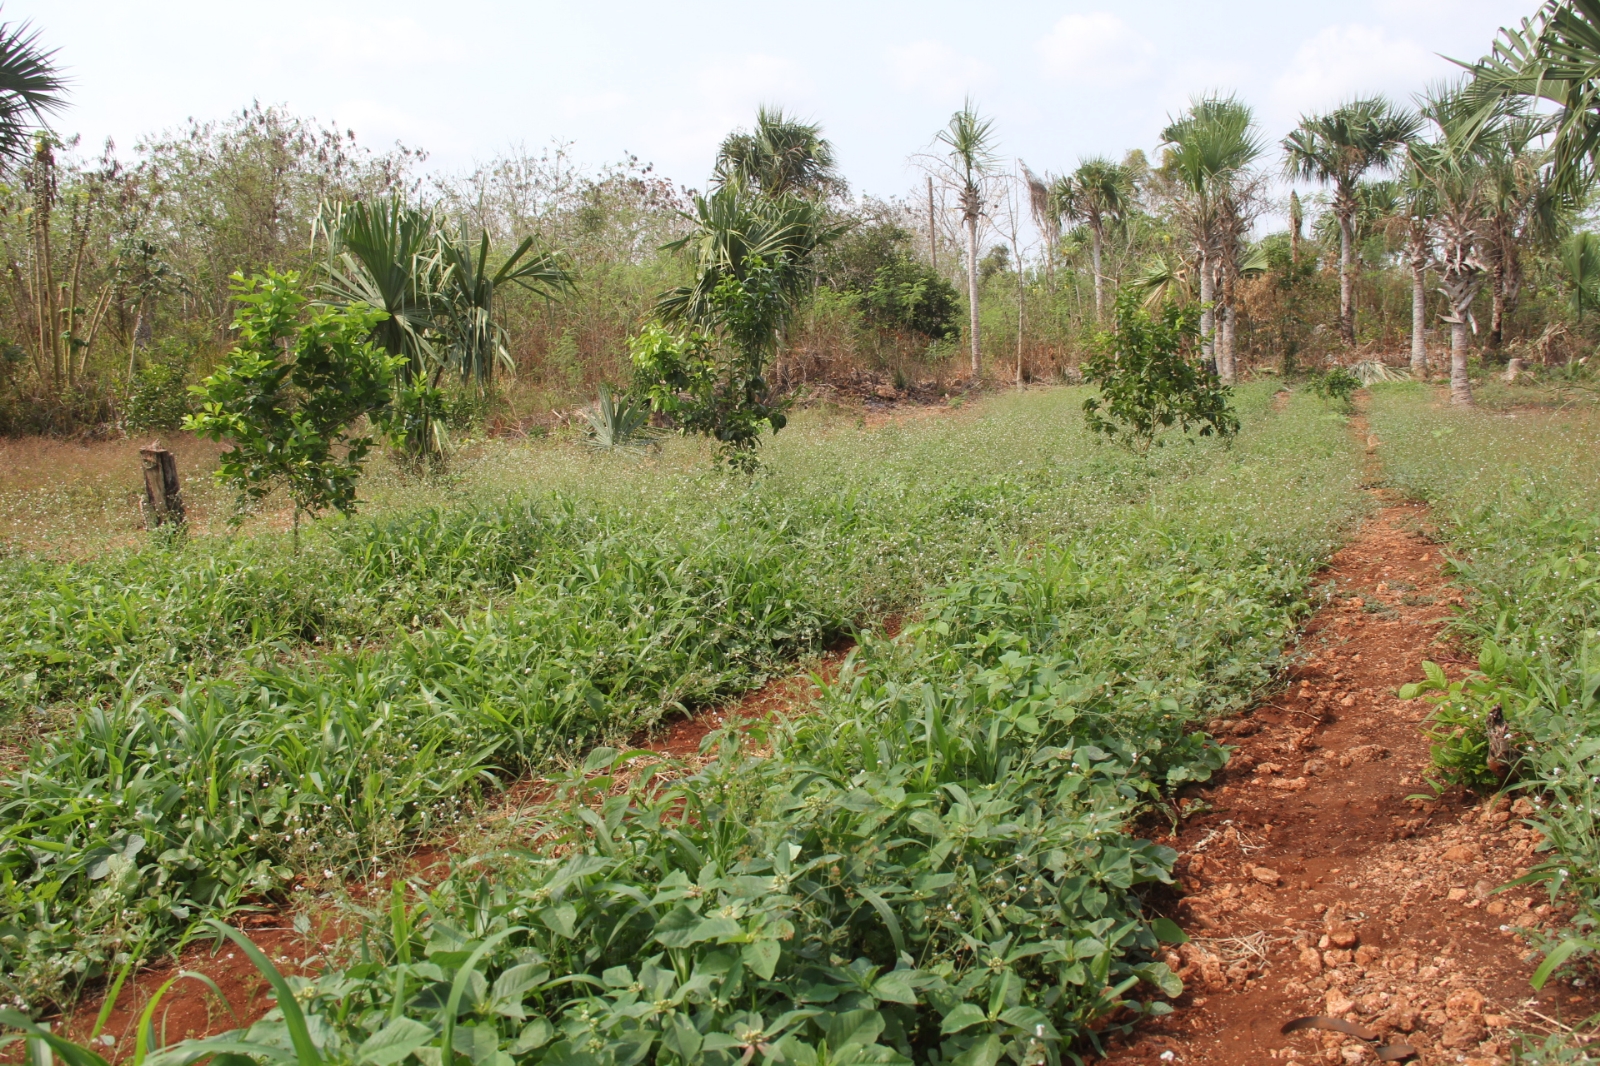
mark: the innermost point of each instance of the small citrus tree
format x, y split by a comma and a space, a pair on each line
1148, 382
288, 397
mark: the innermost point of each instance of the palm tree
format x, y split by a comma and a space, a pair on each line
970, 140
1555, 56
1580, 259
1097, 194
1457, 182
780, 156
736, 231
1337, 149
1417, 210
385, 253
1523, 204
30, 89
474, 339
1209, 149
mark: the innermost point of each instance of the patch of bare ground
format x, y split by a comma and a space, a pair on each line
190, 1009
1324, 878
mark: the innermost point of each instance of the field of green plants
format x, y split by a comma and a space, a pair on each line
1518, 498
937, 862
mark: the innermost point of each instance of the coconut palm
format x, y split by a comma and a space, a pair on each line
780, 156
970, 140
30, 89
1098, 194
1337, 149
1208, 153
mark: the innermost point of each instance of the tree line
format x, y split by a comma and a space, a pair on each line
1447, 230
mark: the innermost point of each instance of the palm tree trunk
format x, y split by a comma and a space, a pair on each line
1229, 370
1497, 316
972, 293
1208, 314
1347, 281
1419, 317
1460, 384
1099, 278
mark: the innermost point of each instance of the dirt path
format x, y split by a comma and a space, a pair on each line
1319, 883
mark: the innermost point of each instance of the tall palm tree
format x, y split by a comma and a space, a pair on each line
1452, 167
30, 89
780, 156
1208, 153
1337, 149
1416, 211
1098, 194
1523, 208
970, 140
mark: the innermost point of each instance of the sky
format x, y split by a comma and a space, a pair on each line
469, 79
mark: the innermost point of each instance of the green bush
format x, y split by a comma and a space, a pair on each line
159, 398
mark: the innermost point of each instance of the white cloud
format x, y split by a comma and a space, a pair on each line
1096, 47
934, 67
1342, 61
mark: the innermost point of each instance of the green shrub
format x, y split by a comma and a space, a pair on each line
159, 398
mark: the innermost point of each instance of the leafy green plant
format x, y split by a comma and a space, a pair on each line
1148, 384
617, 425
288, 396
158, 398
265, 715
1337, 384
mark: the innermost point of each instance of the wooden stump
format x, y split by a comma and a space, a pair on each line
163, 498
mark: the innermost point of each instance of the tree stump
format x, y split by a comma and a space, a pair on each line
163, 498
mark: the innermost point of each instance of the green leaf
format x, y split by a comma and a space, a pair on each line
561, 920
1563, 951
963, 1016
895, 987
393, 1042
762, 957
985, 1053
1167, 931
854, 1027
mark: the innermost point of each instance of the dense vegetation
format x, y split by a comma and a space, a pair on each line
1040, 700
940, 861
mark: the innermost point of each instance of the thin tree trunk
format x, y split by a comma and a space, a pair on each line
1099, 277
1347, 282
1460, 384
1419, 318
933, 233
1229, 369
1017, 251
1208, 315
972, 294
1497, 314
